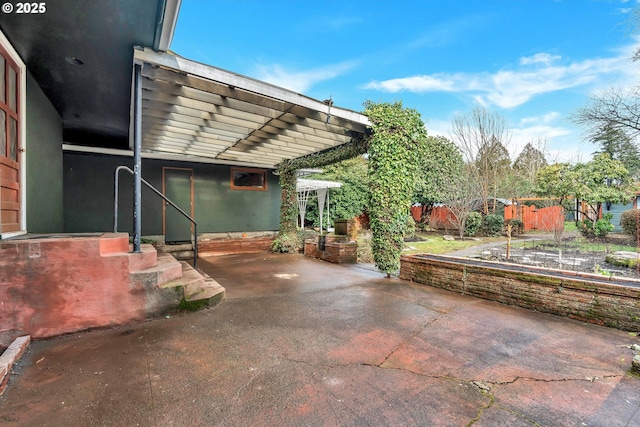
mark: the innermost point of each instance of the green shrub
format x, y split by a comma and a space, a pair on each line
492, 224
365, 255
517, 226
630, 221
289, 243
601, 228
472, 224
410, 227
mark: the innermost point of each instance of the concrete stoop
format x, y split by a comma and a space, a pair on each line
53, 285
197, 286
166, 269
183, 251
170, 282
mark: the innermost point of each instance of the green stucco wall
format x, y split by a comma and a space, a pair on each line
44, 190
88, 197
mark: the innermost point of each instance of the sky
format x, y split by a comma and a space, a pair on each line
534, 62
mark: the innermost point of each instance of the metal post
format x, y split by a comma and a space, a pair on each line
328, 217
115, 201
137, 159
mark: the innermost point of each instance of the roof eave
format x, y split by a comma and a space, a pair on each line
167, 20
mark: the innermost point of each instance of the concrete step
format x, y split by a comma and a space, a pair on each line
113, 243
178, 247
182, 251
182, 255
210, 290
167, 269
197, 286
146, 258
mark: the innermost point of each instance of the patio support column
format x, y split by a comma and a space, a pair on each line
137, 158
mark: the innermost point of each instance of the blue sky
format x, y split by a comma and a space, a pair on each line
534, 62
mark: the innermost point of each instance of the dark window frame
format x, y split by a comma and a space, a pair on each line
235, 170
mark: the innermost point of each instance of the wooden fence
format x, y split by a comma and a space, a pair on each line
441, 217
541, 219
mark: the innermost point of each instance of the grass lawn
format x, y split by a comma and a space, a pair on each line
437, 245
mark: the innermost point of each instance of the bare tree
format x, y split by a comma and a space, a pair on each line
613, 109
482, 138
462, 197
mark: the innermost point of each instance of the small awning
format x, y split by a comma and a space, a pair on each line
314, 185
196, 111
305, 187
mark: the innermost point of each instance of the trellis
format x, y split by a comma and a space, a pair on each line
305, 187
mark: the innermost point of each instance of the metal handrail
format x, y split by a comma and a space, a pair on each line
115, 209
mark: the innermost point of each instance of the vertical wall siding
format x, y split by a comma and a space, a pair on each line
88, 206
44, 163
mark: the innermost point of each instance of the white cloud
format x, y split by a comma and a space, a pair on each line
560, 142
438, 127
300, 81
545, 118
510, 88
435, 83
539, 58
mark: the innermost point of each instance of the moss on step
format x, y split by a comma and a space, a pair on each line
192, 305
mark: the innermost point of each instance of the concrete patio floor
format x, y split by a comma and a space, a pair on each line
304, 342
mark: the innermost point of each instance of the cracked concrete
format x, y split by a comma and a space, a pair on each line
330, 345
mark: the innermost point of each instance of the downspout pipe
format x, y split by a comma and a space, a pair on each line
137, 159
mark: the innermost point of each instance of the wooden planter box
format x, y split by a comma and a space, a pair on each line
345, 227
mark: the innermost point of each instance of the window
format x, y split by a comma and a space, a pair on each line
248, 179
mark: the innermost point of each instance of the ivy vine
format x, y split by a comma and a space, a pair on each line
397, 144
288, 239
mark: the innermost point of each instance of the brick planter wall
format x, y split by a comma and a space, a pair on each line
337, 249
234, 244
578, 296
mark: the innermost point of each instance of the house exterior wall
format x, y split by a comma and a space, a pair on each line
44, 191
616, 210
88, 197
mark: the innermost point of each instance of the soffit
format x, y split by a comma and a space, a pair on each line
198, 111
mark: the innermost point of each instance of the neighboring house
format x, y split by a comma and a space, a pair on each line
616, 209
209, 139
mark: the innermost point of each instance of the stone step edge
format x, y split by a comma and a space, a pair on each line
10, 356
137, 261
189, 275
196, 284
208, 290
166, 270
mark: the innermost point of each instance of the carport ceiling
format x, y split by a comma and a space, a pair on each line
196, 111
79, 53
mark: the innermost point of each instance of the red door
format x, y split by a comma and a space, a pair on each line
9, 144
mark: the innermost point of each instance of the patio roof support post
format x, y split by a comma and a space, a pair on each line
137, 158
322, 195
328, 216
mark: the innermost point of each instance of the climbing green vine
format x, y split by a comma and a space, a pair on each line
397, 144
288, 239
